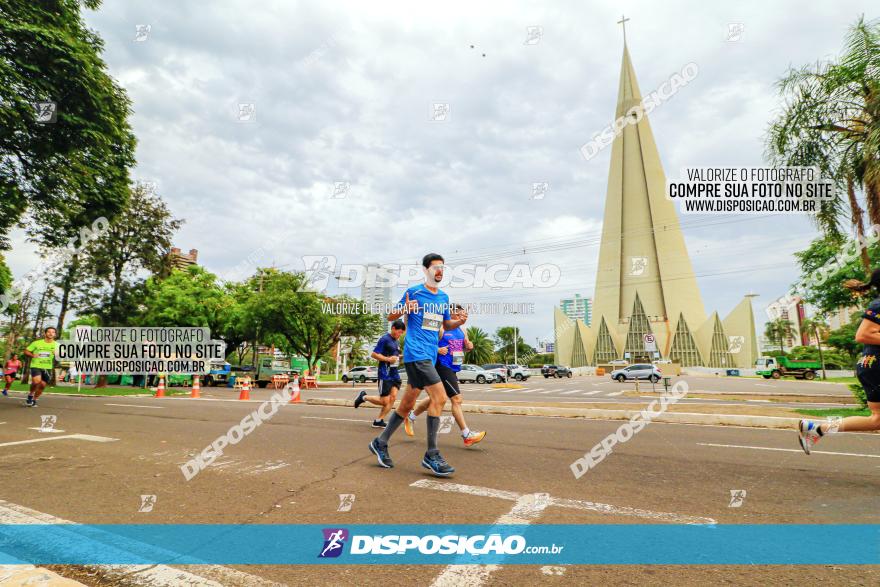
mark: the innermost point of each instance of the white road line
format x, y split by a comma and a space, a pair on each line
88, 437
615, 393
592, 392
47, 430
814, 452
603, 508
341, 419
137, 406
148, 575
570, 392
526, 390
554, 390
526, 508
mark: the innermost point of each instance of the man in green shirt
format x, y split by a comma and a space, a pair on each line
42, 354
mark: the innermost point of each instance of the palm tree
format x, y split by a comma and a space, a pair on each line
778, 331
831, 120
483, 348
818, 327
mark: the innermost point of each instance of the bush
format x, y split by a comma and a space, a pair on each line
859, 393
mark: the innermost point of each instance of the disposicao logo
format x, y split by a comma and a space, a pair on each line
334, 542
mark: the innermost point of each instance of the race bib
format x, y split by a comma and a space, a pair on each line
432, 322
44, 354
457, 357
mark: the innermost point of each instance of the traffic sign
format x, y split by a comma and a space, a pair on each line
650, 342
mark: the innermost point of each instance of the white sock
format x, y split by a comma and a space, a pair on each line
465, 432
412, 415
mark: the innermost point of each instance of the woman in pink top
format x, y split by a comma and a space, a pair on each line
10, 371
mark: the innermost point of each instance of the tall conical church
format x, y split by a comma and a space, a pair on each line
645, 283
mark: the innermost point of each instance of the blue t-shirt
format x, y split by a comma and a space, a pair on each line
454, 357
387, 346
423, 325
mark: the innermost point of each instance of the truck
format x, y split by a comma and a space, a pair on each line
219, 373
781, 366
266, 367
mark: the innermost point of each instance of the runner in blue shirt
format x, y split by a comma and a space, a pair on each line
427, 310
387, 352
452, 346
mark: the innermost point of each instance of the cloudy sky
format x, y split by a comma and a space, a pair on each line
343, 92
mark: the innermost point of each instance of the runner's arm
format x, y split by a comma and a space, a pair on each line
868, 332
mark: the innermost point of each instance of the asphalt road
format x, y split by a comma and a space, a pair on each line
293, 468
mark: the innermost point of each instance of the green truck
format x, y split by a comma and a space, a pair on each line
777, 367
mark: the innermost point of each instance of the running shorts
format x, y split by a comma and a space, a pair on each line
42, 374
868, 374
386, 385
449, 379
421, 374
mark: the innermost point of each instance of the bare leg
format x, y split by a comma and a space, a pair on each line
457, 412
422, 406
857, 423
388, 402
438, 399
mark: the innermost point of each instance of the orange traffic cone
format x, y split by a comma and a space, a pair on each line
160, 391
294, 391
245, 390
197, 388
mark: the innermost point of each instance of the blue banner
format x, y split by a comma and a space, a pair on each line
541, 544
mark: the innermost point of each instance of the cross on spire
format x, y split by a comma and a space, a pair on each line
622, 22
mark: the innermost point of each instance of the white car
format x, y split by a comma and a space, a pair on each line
518, 372
474, 373
361, 374
499, 370
637, 371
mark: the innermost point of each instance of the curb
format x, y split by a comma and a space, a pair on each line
597, 414
30, 575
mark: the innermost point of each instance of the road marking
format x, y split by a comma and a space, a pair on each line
592, 392
152, 575
526, 390
554, 390
47, 430
323, 418
616, 393
88, 437
570, 392
137, 406
603, 508
815, 452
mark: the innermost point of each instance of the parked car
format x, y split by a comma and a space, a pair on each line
618, 363
475, 373
557, 371
361, 374
498, 369
637, 371
518, 372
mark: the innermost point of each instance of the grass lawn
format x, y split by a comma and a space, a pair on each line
103, 391
842, 380
843, 412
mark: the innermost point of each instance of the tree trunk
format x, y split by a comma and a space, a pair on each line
858, 221
66, 286
872, 197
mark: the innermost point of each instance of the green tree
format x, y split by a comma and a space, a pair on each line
830, 120
816, 327
828, 294
296, 316
504, 342
77, 159
777, 331
483, 351
844, 338
138, 239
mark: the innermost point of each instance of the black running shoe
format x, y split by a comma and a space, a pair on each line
381, 454
438, 465
29, 402
379, 424
360, 398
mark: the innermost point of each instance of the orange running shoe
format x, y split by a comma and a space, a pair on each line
473, 438
408, 424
